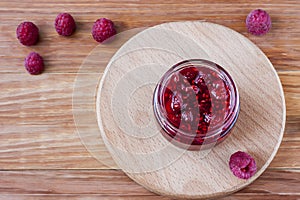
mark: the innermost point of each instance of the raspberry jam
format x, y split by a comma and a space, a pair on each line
196, 103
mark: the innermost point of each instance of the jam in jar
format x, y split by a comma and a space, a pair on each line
196, 103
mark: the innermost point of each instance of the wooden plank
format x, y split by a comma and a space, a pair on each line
79, 197
236, 196
51, 148
36, 123
62, 55
66, 154
115, 184
44, 99
291, 87
62, 59
103, 182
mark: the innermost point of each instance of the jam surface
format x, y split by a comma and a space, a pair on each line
195, 100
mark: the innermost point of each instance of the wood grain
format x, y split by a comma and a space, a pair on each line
136, 143
36, 133
36, 125
50, 184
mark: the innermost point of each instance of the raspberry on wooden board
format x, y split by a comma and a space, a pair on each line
242, 165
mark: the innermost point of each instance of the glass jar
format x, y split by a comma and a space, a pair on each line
196, 103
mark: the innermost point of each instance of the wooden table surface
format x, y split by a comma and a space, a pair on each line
41, 155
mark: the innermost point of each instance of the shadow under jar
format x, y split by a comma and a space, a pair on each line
196, 103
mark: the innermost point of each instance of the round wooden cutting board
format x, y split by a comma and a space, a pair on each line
132, 135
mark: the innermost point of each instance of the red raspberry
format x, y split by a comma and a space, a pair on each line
34, 63
242, 165
103, 29
258, 22
27, 33
65, 24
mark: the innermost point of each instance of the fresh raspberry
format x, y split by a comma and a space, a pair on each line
65, 24
27, 33
242, 165
34, 63
258, 22
103, 29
